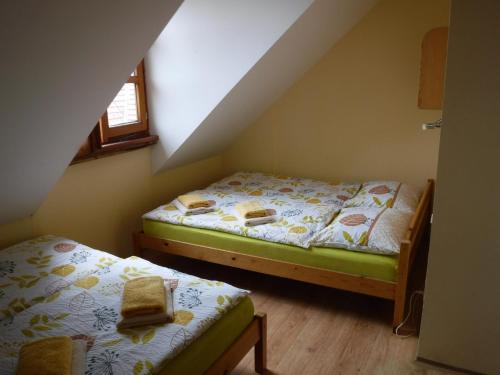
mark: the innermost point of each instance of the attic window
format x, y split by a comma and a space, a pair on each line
124, 125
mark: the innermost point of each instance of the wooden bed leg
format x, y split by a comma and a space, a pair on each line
261, 345
136, 240
402, 285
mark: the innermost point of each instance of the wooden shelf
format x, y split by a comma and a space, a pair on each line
433, 68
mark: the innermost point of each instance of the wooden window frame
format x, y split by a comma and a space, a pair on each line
108, 133
105, 140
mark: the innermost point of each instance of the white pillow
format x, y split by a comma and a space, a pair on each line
373, 230
390, 194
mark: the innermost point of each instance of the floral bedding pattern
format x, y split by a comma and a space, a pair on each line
390, 194
303, 206
366, 229
88, 307
38, 269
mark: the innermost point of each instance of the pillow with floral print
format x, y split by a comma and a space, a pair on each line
367, 229
390, 194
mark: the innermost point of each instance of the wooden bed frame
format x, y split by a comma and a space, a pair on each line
255, 335
392, 290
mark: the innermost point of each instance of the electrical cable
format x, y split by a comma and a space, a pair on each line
411, 313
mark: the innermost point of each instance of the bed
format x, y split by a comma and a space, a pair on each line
51, 286
379, 275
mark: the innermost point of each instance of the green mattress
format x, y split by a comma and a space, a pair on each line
382, 267
200, 354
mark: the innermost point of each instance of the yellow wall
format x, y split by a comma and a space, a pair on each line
16, 231
354, 115
100, 202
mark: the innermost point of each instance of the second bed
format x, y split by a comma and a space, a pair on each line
281, 250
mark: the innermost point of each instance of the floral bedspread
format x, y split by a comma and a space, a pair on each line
83, 301
37, 270
303, 206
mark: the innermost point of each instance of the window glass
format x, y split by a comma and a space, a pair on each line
123, 110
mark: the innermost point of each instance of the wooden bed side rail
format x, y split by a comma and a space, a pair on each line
409, 247
313, 275
255, 335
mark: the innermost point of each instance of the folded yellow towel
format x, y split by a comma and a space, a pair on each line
49, 356
144, 320
79, 357
143, 296
261, 220
251, 210
194, 201
194, 211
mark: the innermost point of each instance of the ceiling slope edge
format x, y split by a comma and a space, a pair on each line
301, 46
66, 62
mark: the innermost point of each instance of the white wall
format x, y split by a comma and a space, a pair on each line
62, 63
461, 313
323, 24
202, 54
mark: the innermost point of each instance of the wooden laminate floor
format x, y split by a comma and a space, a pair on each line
316, 330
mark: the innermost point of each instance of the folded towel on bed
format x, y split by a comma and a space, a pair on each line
144, 320
79, 357
48, 356
143, 296
193, 211
154, 318
191, 201
260, 221
252, 210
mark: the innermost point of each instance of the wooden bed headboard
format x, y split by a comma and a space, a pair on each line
409, 247
419, 220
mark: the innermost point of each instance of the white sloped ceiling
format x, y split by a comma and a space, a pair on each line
218, 65
62, 63
213, 70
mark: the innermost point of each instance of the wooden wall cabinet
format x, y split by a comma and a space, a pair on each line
433, 68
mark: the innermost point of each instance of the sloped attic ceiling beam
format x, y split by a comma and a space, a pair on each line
210, 81
62, 63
